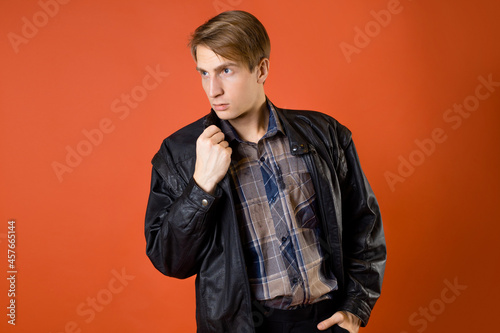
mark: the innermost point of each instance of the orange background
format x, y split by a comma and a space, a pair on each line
77, 231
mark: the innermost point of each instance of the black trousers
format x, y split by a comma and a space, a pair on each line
302, 320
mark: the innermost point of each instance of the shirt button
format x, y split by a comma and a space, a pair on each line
295, 280
283, 239
204, 202
262, 159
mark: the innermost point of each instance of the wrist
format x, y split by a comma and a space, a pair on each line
205, 185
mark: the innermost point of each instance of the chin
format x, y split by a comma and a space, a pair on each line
225, 115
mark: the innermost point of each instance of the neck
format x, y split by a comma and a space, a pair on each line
254, 124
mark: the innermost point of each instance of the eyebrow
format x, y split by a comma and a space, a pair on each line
218, 68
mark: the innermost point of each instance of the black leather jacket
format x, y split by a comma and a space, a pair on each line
191, 232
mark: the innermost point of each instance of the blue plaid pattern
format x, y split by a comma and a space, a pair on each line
275, 204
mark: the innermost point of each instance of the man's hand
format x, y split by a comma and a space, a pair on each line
344, 319
213, 156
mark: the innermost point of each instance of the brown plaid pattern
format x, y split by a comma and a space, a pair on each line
275, 200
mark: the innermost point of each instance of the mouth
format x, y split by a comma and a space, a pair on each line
220, 107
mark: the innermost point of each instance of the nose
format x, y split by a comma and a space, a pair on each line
215, 87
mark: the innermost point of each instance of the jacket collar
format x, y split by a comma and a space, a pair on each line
211, 119
298, 143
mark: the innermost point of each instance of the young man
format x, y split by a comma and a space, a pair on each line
268, 207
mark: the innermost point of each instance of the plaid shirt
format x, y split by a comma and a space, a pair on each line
275, 205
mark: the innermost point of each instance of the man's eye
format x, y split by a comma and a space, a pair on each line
203, 73
227, 71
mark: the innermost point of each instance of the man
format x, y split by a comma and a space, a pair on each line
268, 207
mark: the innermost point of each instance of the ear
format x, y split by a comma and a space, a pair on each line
262, 70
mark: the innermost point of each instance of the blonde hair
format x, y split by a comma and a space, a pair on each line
235, 35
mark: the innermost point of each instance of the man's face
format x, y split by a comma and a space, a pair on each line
232, 90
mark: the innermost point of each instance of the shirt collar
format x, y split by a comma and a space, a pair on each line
273, 127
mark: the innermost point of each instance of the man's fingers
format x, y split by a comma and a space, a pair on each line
217, 138
213, 157
212, 134
337, 318
210, 131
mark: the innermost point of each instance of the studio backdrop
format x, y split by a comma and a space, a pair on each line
89, 89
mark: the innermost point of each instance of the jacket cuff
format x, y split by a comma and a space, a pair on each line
199, 197
358, 308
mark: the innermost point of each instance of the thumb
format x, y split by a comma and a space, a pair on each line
337, 318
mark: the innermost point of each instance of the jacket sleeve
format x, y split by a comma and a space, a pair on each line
177, 220
364, 248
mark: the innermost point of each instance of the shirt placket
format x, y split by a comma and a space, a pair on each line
275, 187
